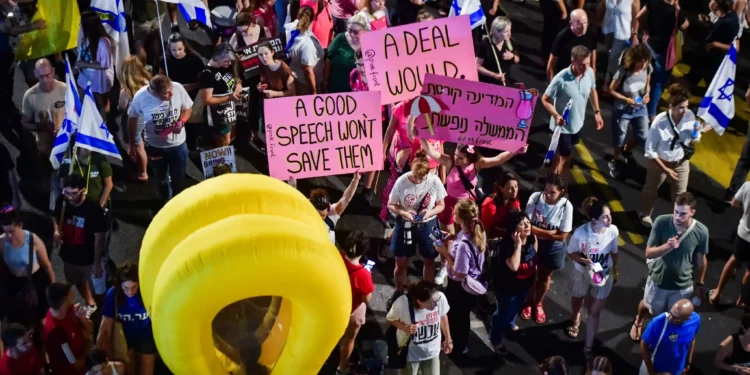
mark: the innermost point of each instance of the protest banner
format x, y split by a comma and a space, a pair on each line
479, 114
324, 135
216, 156
248, 56
397, 58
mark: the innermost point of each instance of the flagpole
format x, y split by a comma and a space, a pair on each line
492, 44
161, 35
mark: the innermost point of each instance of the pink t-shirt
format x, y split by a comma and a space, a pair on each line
343, 9
269, 18
453, 184
401, 138
436, 144
322, 26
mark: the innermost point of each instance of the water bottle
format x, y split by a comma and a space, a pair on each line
696, 301
638, 100
696, 127
407, 233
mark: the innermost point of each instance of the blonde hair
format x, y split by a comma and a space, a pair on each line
305, 17
499, 24
420, 165
468, 211
133, 75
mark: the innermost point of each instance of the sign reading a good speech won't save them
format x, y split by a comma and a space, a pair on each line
397, 58
324, 135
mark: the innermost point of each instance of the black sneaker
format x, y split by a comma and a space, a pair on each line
629, 159
613, 170
393, 298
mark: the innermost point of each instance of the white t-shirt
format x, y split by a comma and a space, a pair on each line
419, 197
159, 115
596, 246
425, 344
334, 217
549, 217
306, 51
743, 195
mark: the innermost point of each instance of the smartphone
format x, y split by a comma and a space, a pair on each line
368, 266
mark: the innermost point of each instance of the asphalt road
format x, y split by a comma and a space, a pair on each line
135, 204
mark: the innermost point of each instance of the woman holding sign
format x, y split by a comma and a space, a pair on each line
340, 59
463, 171
220, 90
417, 198
497, 48
593, 248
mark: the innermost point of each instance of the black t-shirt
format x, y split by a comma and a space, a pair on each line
564, 43
223, 81
724, 30
485, 53
78, 229
661, 24
507, 282
185, 70
6, 167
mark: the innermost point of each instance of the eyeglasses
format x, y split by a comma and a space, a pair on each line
72, 194
579, 23
354, 31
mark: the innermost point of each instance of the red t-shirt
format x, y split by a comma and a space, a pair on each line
64, 342
30, 363
360, 280
493, 215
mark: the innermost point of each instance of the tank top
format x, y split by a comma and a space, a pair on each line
739, 356
453, 184
17, 258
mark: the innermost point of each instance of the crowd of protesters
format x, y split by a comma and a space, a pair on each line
173, 103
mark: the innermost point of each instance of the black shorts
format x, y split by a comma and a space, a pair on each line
566, 144
742, 250
143, 345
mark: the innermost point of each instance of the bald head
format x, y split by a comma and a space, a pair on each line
579, 22
45, 74
681, 311
42, 63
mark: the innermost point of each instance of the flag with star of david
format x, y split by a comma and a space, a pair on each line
717, 106
92, 130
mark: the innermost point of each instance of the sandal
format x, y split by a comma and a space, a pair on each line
635, 332
710, 297
515, 328
574, 327
525, 313
540, 316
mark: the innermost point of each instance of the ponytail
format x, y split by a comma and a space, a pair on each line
468, 211
305, 17
593, 208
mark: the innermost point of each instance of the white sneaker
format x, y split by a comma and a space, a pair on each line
441, 275
646, 220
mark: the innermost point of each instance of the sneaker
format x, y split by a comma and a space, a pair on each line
646, 220
465, 351
175, 28
613, 171
441, 275
90, 310
393, 298
629, 159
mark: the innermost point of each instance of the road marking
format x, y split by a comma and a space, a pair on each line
614, 204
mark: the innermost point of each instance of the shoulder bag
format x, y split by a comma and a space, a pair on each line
644, 370
397, 354
476, 286
672, 47
684, 234
689, 149
117, 347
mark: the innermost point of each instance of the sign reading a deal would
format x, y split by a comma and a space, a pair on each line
397, 58
323, 135
476, 113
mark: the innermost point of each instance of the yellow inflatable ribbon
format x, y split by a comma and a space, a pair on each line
235, 237
63, 21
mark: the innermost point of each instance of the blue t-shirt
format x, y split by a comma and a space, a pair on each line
675, 345
135, 320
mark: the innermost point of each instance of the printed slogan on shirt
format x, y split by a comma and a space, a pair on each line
397, 58
324, 135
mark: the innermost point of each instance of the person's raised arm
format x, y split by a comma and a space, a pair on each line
634, 24
43, 257
443, 159
498, 159
724, 352
348, 193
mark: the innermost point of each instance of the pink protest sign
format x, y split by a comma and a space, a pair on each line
397, 58
477, 113
324, 135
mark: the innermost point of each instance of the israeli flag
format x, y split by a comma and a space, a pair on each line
472, 8
72, 115
93, 134
717, 106
112, 14
193, 10
556, 134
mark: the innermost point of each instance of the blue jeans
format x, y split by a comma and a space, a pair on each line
659, 79
280, 8
170, 167
636, 118
505, 315
420, 237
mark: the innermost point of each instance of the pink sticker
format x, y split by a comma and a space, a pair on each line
477, 113
397, 58
324, 135
378, 24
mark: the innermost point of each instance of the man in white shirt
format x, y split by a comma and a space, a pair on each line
165, 107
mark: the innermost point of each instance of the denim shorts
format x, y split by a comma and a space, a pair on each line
420, 237
552, 254
637, 118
